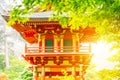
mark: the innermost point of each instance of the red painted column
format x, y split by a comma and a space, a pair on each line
35, 72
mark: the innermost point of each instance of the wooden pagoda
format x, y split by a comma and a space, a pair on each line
54, 48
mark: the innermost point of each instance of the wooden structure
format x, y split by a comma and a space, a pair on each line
55, 48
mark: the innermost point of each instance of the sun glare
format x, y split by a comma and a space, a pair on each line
101, 51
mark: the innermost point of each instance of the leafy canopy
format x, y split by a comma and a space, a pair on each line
78, 12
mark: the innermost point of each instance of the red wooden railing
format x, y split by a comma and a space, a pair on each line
65, 49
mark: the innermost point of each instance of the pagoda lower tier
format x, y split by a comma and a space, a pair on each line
46, 66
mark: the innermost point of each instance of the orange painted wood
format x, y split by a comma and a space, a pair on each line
88, 34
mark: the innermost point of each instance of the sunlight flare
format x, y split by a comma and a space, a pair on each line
101, 52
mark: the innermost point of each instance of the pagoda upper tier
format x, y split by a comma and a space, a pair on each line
40, 25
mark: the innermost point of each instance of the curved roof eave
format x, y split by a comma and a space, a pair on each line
45, 15
35, 16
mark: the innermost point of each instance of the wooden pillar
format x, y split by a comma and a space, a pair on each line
43, 43
42, 70
55, 43
73, 67
77, 42
75, 39
39, 37
39, 42
61, 43
35, 72
74, 71
74, 43
81, 72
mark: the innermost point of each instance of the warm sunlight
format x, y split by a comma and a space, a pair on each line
101, 51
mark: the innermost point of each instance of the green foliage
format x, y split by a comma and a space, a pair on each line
16, 67
108, 74
115, 57
114, 72
104, 74
79, 12
111, 74
91, 73
26, 75
2, 62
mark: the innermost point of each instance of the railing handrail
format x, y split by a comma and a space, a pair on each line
40, 49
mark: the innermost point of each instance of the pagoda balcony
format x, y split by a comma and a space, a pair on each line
56, 50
